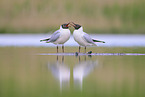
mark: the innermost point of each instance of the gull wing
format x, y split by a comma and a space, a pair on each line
54, 36
88, 38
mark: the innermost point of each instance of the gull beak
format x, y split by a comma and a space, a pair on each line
68, 25
73, 24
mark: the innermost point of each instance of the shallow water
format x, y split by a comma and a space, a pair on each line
36, 72
34, 40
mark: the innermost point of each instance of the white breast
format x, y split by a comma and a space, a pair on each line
78, 37
64, 36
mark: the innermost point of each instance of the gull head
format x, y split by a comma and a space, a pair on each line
76, 26
65, 26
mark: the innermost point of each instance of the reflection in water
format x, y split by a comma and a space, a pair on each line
61, 72
80, 71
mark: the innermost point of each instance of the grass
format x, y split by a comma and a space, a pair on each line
27, 16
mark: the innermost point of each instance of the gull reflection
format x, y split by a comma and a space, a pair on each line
61, 72
78, 71
81, 70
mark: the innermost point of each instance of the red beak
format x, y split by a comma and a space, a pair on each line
67, 24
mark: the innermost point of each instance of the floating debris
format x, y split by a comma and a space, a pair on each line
90, 52
93, 54
76, 54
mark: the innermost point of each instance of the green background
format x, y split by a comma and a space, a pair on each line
96, 16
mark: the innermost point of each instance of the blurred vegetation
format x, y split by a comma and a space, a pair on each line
96, 16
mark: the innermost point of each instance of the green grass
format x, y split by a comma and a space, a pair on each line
27, 16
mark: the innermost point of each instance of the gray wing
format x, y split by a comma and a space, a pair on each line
88, 38
54, 36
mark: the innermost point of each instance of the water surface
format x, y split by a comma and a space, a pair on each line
26, 72
34, 40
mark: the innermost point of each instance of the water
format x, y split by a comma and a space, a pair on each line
29, 68
34, 40
40, 72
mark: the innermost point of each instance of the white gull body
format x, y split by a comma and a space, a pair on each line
82, 38
60, 36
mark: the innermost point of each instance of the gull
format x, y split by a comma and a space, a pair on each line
60, 36
82, 38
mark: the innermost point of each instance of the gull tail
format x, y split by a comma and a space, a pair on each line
44, 40
98, 41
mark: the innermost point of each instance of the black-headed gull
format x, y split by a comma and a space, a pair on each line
82, 38
60, 36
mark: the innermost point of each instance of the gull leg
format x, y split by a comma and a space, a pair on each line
79, 48
63, 48
85, 49
57, 48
